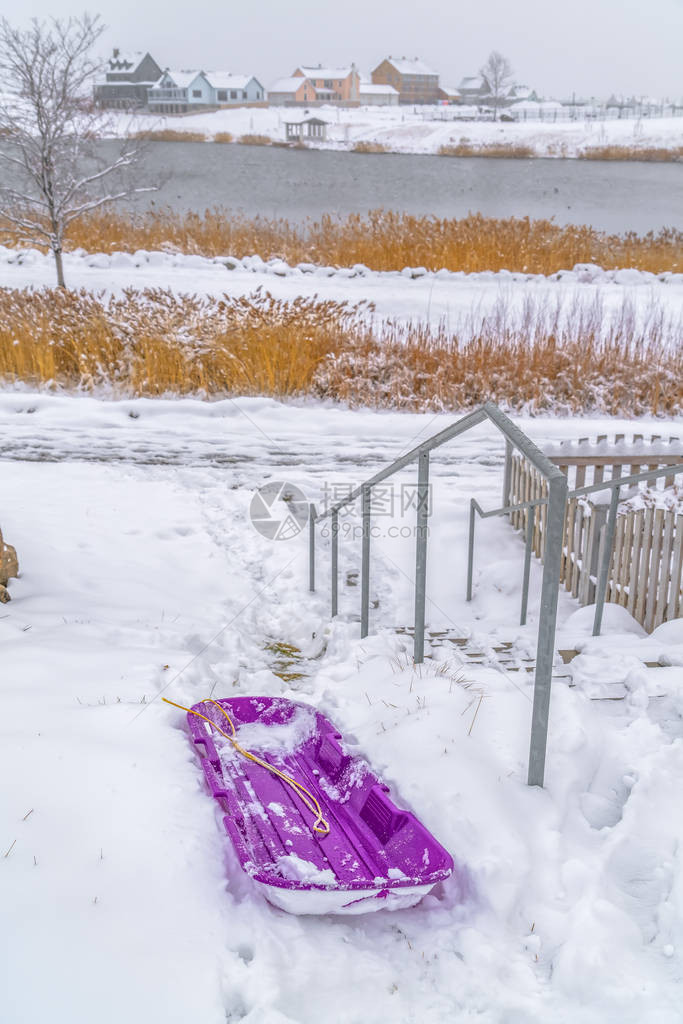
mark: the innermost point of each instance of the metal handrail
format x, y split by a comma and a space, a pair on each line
557, 491
614, 484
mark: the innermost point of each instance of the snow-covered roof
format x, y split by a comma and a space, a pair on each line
304, 118
226, 80
125, 60
472, 82
287, 84
182, 79
450, 90
411, 66
310, 71
369, 88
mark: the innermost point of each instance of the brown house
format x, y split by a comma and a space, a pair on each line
411, 77
332, 85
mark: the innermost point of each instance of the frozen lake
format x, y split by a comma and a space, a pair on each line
280, 182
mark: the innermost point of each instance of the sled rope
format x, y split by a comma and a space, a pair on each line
305, 795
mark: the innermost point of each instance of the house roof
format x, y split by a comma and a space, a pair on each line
126, 60
473, 82
287, 84
305, 119
450, 90
411, 66
520, 92
310, 71
377, 90
182, 79
226, 80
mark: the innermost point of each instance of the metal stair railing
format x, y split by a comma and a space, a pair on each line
557, 493
614, 485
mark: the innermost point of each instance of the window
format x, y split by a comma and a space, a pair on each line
222, 95
233, 94
328, 83
244, 94
197, 93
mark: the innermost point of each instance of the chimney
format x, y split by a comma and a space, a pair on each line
116, 51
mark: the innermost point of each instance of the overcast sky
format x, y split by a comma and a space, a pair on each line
592, 47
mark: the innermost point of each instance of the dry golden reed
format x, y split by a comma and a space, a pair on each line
223, 137
382, 240
255, 140
170, 135
369, 147
490, 149
156, 342
656, 154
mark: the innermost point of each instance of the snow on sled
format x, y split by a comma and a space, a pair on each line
310, 822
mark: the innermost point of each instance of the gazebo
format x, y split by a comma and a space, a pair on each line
307, 128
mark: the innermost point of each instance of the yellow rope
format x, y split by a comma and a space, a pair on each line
305, 795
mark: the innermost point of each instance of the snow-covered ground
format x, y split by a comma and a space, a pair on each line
141, 574
422, 129
458, 301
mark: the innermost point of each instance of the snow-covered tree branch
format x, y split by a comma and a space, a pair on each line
49, 130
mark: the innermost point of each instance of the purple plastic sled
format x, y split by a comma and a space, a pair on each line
376, 856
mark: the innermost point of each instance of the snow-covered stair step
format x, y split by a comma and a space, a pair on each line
501, 654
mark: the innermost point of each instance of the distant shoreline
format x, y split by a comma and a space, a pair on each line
486, 151
419, 132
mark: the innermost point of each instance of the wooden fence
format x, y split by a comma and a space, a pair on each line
646, 567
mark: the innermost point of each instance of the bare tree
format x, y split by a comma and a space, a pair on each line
498, 74
49, 129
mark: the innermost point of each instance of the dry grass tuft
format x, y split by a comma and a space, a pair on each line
545, 357
154, 342
657, 154
170, 135
369, 147
382, 240
490, 149
223, 137
255, 140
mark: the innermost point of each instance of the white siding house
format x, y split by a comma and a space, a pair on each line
233, 90
178, 92
371, 95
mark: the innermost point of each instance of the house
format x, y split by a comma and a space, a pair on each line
332, 85
306, 128
447, 94
377, 95
290, 91
412, 78
230, 90
311, 86
519, 93
127, 79
179, 92
474, 90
